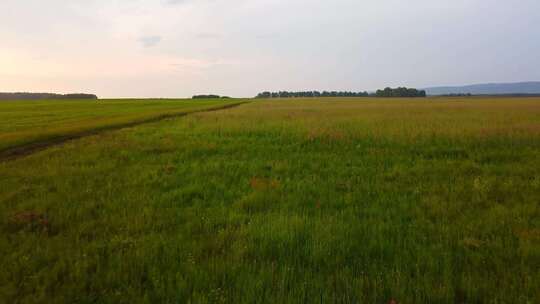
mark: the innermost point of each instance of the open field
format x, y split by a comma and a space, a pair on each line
27, 122
285, 201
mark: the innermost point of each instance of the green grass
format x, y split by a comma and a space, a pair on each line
293, 201
26, 122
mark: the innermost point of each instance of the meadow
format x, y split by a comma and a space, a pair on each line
333, 200
24, 123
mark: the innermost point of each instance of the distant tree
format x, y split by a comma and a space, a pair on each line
400, 92
264, 95
311, 94
80, 96
42, 96
211, 96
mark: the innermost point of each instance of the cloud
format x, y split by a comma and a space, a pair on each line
208, 36
150, 41
174, 2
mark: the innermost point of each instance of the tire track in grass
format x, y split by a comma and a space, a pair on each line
23, 150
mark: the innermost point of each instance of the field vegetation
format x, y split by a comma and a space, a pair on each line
44, 96
28, 122
349, 200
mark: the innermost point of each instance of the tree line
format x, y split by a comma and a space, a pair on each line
211, 96
42, 96
387, 92
400, 92
286, 94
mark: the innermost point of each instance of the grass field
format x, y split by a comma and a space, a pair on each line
287, 201
25, 122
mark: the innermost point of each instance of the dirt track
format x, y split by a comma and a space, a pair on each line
30, 148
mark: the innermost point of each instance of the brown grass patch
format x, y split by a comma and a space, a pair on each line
472, 243
528, 234
326, 135
29, 221
263, 184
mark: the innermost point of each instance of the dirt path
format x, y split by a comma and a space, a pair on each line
30, 148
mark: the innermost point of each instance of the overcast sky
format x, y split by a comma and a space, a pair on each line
176, 48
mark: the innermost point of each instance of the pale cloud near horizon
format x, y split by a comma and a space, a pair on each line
175, 48
150, 41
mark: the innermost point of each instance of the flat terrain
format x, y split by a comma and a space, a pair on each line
26, 122
285, 201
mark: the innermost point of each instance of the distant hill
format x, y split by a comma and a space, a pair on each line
40, 96
489, 89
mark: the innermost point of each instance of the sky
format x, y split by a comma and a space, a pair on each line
177, 48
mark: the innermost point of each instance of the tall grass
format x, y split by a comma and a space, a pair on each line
354, 201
